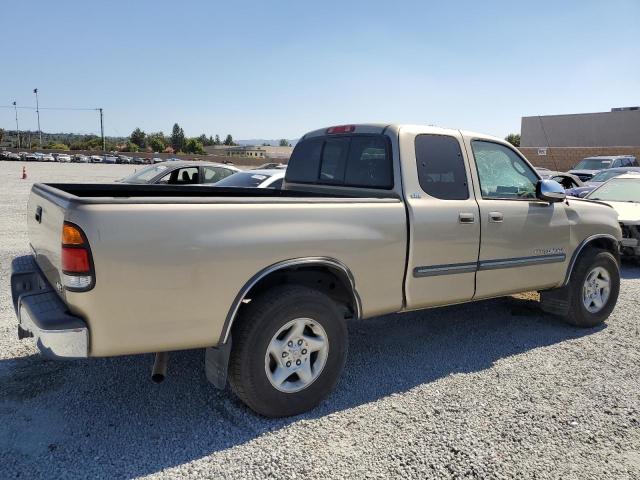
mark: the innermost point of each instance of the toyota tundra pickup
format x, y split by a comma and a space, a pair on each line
372, 219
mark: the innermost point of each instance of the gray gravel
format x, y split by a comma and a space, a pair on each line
491, 390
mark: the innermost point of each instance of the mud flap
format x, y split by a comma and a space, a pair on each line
556, 301
216, 364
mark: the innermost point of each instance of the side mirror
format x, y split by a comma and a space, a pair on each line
550, 191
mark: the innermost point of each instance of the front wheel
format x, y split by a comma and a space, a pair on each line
290, 346
593, 288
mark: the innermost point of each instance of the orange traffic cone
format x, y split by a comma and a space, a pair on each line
24, 173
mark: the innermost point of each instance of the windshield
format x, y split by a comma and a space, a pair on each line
604, 176
242, 179
593, 164
618, 190
146, 174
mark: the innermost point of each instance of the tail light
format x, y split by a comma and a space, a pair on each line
78, 274
341, 129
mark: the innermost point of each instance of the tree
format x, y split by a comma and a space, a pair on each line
217, 140
177, 138
229, 140
284, 143
1, 134
58, 146
513, 139
193, 145
157, 141
132, 147
137, 137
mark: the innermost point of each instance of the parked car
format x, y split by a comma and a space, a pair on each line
97, 158
598, 179
23, 155
79, 158
156, 160
623, 194
589, 166
64, 158
110, 158
545, 173
267, 178
567, 180
265, 279
141, 160
124, 159
181, 173
269, 166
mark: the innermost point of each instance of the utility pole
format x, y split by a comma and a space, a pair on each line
35, 90
104, 146
15, 107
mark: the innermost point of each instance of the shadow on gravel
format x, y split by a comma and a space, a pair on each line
630, 270
104, 417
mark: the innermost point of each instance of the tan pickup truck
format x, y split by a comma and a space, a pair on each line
372, 219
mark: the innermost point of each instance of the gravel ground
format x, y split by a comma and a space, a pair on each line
490, 390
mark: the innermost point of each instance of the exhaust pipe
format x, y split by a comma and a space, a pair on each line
159, 371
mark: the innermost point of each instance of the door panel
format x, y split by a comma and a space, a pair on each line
525, 250
524, 240
443, 218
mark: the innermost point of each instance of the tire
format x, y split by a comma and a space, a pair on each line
591, 261
254, 368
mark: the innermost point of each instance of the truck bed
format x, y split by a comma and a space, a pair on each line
120, 192
170, 260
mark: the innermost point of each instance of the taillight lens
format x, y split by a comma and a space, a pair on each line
75, 260
77, 264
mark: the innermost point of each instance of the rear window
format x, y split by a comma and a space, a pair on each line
242, 179
354, 160
441, 170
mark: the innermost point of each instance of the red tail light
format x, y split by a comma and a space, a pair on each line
341, 129
77, 264
75, 260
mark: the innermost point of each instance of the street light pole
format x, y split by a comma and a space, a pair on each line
15, 107
104, 147
35, 90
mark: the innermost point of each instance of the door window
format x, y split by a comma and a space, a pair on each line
502, 172
181, 176
441, 171
215, 174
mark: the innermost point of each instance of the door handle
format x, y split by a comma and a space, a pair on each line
496, 217
466, 218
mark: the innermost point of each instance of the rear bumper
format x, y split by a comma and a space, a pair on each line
43, 315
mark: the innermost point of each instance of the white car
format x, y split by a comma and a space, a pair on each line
64, 158
96, 158
623, 194
266, 178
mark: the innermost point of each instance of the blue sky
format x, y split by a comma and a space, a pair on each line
277, 69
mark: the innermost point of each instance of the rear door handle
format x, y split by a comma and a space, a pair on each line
466, 218
496, 217
38, 214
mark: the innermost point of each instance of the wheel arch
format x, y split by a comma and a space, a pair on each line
305, 270
603, 241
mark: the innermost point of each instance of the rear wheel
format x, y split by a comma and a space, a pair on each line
289, 347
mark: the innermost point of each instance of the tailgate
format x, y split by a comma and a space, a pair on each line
45, 217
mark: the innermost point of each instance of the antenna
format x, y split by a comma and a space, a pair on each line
548, 144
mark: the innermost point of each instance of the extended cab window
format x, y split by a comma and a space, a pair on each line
349, 160
441, 170
502, 172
